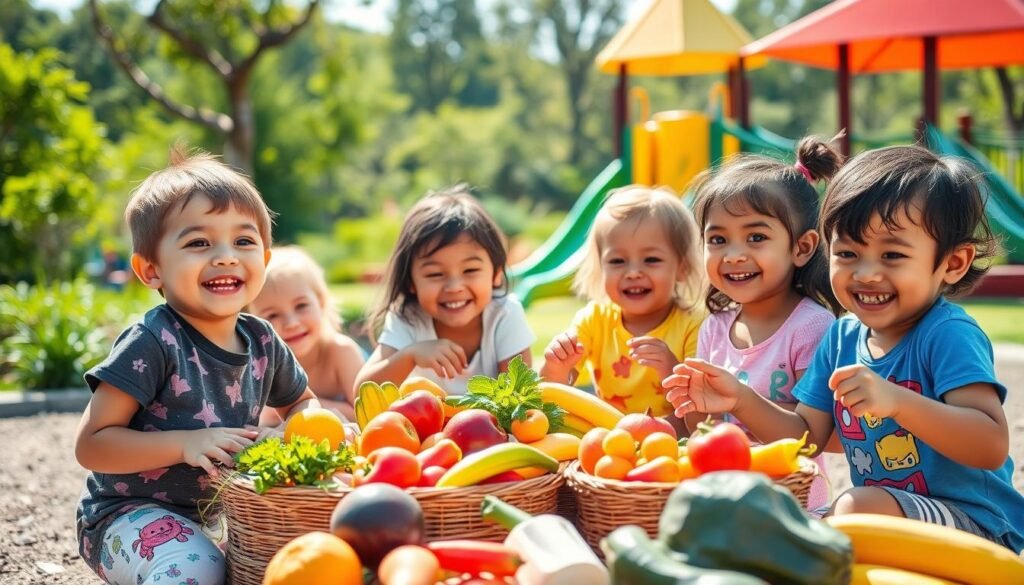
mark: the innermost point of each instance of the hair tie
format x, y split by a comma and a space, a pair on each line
805, 172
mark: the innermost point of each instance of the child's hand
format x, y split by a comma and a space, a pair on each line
444, 356
862, 391
267, 431
208, 448
562, 355
698, 386
653, 353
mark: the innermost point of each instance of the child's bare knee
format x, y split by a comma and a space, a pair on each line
865, 500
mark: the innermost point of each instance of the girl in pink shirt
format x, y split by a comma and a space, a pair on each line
769, 294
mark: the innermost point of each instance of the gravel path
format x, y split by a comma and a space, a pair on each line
40, 483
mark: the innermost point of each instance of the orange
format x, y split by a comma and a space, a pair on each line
686, 469
317, 424
659, 444
389, 429
591, 449
532, 428
610, 467
315, 558
619, 443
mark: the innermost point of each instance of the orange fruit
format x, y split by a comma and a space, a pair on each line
317, 424
619, 443
389, 429
532, 428
659, 444
591, 449
686, 469
611, 467
315, 558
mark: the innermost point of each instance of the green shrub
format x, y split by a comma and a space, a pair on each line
51, 334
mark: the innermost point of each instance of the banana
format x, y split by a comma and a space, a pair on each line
477, 467
561, 446
877, 575
928, 549
582, 404
372, 399
576, 425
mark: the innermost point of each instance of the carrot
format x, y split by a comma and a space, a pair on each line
409, 565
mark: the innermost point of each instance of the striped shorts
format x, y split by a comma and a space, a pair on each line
938, 511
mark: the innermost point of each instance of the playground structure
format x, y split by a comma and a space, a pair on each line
688, 37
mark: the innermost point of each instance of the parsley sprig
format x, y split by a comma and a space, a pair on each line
509, 396
272, 462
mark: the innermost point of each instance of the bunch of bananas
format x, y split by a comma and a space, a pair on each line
372, 399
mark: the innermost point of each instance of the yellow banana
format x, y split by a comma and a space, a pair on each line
390, 392
477, 467
878, 575
561, 446
360, 408
928, 549
576, 425
582, 404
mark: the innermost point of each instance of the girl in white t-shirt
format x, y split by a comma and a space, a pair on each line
445, 313
769, 295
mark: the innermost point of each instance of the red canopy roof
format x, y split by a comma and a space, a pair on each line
886, 35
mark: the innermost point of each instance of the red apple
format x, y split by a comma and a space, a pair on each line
474, 429
640, 425
423, 409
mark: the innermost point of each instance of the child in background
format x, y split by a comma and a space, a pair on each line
441, 316
182, 390
297, 303
641, 275
769, 294
907, 379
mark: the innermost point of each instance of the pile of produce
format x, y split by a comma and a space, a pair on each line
644, 448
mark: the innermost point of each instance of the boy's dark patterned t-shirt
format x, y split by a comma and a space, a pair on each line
183, 381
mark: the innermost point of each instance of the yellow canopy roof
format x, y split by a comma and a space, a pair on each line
677, 37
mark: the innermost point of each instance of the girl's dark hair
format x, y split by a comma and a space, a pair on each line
777, 189
889, 181
434, 222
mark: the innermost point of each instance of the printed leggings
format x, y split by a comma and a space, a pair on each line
152, 545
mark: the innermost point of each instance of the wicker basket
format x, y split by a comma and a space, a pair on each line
605, 504
260, 524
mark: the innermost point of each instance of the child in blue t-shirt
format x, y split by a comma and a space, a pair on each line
907, 379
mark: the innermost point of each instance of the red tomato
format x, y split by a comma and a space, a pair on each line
725, 446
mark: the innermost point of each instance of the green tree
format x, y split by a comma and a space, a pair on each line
50, 147
229, 38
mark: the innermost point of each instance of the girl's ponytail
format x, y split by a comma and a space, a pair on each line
817, 158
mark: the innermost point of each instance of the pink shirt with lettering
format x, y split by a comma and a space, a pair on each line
770, 367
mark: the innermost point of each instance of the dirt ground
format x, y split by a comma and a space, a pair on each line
40, 483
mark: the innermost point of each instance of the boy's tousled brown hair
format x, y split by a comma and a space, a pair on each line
187, 175
889, 181
777, 189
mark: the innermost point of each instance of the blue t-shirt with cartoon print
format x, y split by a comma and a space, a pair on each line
946, 350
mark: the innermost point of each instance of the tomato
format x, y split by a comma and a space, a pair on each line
724, 446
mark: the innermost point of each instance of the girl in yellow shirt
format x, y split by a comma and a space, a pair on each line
642, 276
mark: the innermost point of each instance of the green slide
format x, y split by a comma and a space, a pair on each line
549, 270
1005, 207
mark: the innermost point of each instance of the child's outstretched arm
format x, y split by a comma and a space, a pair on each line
104, 443
981, 437
388, 364
561, 357
699, 386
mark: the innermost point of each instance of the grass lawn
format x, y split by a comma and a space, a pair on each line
1001, 319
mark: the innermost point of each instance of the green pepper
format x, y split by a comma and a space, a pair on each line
634, 559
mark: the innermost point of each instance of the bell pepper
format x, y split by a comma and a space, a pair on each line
780, 458
473, 556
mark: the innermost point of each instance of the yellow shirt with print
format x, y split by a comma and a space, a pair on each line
619, 380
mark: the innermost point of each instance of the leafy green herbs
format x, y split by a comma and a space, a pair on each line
272, 462
509, 396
